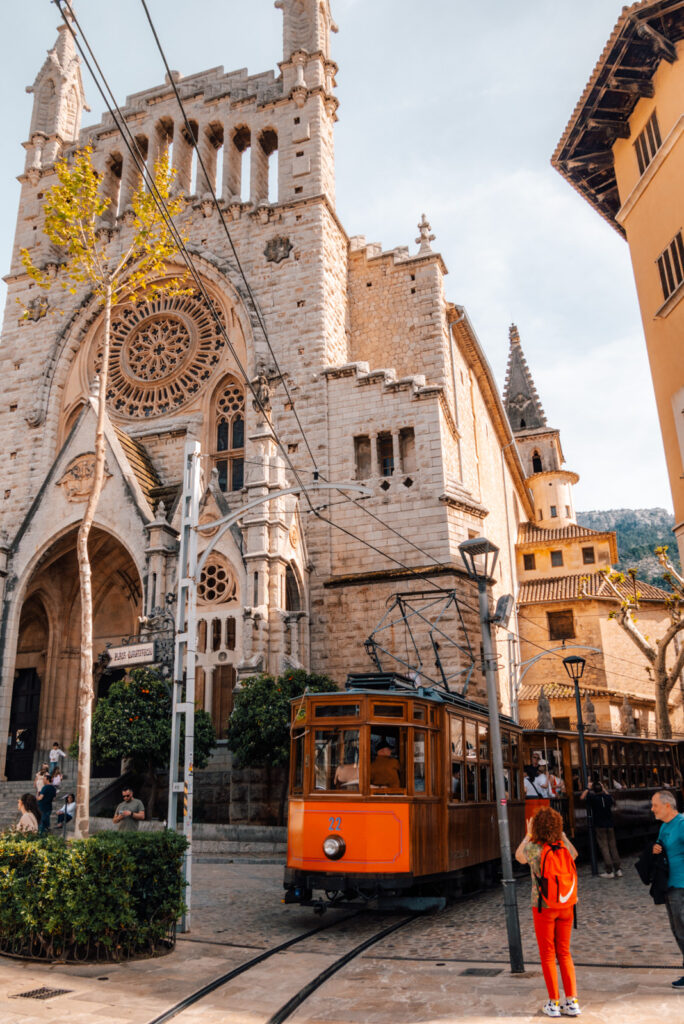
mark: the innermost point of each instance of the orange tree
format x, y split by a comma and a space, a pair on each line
134, 722
121, 265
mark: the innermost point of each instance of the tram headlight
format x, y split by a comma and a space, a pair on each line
334, 847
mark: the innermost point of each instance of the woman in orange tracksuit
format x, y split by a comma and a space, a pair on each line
553, 928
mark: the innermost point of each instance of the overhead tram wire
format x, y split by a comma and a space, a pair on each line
134, 151
207, 179
148, 178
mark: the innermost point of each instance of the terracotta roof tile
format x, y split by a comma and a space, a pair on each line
567, 588
565, 691
530, 533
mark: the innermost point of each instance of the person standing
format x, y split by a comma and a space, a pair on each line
129, 813
45, 800
671, 840
600, 803
27, 806
55, 753
552, 925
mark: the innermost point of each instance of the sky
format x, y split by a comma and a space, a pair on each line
451, 108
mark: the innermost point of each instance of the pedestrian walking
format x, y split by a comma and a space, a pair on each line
45, 800
551, 857
129, 813
55, 753
600, 804
27, 806
671, 841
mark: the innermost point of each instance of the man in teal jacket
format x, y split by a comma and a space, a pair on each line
671, 839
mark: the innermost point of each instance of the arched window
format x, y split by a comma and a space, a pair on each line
228, 439
292, 601
537, 463
45, 116
238, 170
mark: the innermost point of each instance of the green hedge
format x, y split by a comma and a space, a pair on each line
110, 897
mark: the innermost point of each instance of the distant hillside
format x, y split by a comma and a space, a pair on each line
639, 532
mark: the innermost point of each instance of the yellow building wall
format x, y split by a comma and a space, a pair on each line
573, 563
652, 213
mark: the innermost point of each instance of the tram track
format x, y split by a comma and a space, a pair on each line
289, 1007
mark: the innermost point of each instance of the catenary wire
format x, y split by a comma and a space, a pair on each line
135, 154
207, 181
141, 165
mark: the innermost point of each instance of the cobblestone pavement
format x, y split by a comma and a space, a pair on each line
414, 976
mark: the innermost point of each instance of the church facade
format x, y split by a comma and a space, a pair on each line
370, 374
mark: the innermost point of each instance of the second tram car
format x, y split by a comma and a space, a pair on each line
392, 791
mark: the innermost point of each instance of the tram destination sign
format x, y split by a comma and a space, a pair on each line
131, 654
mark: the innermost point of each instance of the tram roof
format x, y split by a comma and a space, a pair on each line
394, 682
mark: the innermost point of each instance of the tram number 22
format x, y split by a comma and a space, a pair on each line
334, 824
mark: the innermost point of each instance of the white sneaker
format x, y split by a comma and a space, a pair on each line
552, 1008
570, 1007
618, 873
606, 874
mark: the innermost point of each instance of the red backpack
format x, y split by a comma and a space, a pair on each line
557, 881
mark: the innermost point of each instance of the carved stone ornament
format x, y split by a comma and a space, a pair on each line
162, 353
77, 479
36, 309
278, 249
294, 535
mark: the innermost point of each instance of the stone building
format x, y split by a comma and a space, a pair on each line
386, 384
623, 151
564, 599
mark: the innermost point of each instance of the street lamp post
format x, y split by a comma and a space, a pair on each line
574, 666
474, 551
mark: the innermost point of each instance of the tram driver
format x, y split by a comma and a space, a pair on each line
384, 771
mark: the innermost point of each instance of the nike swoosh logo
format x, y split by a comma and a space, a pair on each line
564, 899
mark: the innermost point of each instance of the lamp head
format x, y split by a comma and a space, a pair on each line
574, 666
479, 557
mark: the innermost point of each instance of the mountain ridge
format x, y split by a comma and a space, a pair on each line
639, 532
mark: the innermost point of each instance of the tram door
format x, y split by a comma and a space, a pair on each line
21, 742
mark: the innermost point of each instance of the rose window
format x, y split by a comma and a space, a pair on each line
217, 583
162, 353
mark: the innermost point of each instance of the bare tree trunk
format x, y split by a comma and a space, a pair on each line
85, 682
663, 725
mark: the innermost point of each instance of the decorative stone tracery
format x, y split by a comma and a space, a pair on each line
162, 352
217, 583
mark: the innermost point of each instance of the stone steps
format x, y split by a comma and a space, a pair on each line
11, 791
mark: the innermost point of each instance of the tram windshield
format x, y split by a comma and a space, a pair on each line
336, 759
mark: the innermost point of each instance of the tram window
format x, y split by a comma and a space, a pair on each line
389, 710
456, 737
336, 711
336, 759
388, 758
298, 761
433, 716
514, 751
574, 753
471, 782
484, 742
418, 761
419, 712
470, 741
484, 782
433, 763
456, 781
576, 784
504, 747
507, 781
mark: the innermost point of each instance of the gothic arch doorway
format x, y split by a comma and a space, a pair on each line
45, 693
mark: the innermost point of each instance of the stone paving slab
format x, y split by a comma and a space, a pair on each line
412, 977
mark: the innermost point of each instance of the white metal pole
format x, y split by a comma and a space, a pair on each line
184, 663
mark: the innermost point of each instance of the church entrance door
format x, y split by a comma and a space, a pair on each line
23, 725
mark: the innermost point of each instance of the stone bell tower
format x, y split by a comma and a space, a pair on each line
58, 103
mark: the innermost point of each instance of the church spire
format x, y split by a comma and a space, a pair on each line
521, 401
58, 102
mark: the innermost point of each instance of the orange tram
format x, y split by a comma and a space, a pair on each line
392, 791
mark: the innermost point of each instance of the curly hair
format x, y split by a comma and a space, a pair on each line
30, 804
546, 826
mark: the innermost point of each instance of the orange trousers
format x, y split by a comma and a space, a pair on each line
553, 929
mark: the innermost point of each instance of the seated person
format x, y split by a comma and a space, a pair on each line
385, 768
347, 775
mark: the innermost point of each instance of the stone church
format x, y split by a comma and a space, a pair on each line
371, 375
